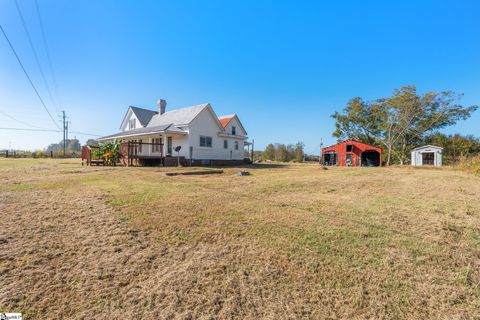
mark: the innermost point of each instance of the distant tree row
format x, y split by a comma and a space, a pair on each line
400, 122
455, 147
72, 145
284, 153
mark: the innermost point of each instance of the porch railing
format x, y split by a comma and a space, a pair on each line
132, 151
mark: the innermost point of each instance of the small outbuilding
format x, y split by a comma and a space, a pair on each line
427, 156
351, 153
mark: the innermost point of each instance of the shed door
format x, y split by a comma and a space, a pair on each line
428, 158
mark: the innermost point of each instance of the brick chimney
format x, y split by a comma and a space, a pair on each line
162, 105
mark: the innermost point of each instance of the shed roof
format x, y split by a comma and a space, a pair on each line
428, 146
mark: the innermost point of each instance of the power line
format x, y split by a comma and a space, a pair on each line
24, 24
27, 129
20, 121
28, 77
45, 44
48, 130
85, 134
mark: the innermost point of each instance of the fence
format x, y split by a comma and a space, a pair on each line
38, 154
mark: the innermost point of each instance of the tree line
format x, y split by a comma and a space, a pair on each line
402, 121
284, 152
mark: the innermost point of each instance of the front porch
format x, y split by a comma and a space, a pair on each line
139, 153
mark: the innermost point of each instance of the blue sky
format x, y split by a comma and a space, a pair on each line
283, 66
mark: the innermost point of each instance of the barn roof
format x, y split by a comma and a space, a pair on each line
360, 145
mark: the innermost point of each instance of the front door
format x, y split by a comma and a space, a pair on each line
169, 146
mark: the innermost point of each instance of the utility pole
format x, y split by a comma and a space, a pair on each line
65, 128
253, 146
321, 153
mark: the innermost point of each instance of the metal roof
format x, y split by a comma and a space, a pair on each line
177, 117
427, 146
168, 128
143, 115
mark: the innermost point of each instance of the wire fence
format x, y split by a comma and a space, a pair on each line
39, 154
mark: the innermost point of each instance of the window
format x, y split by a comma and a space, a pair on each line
140, 146
156, 144
236, 145
234, 130
205, 141
349, 148
225, 144
132, 123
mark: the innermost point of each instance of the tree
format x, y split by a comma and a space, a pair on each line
92, 142
455, 147
269, 153
71, 145
281, 153
298, 153
401, 121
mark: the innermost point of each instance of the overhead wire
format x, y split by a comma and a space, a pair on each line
37, 60
28, 77
47, 51
20, 121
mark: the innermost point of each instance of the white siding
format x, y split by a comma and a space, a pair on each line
234, 123
131, 116
417, 159
205, 125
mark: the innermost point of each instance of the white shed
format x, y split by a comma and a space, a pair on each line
427, 156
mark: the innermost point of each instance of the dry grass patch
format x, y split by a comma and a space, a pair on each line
295, 241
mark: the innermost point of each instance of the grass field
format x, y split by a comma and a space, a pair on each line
285, 242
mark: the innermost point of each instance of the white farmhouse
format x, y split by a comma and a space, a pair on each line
194, 135
427, 156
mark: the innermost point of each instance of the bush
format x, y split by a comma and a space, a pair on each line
470, 164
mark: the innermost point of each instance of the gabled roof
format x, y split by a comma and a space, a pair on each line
428, 146
177, 117
168, 128
225, 120
143, 115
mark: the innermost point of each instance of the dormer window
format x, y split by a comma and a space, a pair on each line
132, 123
234, 130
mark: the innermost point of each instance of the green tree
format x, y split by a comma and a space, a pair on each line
399, 122
298, 153
281, 152
269, 153
455, 147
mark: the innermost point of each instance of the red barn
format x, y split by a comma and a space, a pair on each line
352, 153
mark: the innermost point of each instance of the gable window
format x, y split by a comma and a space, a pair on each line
349, 148
225, 144
236, 145
132, 123
205, 141
234, 130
